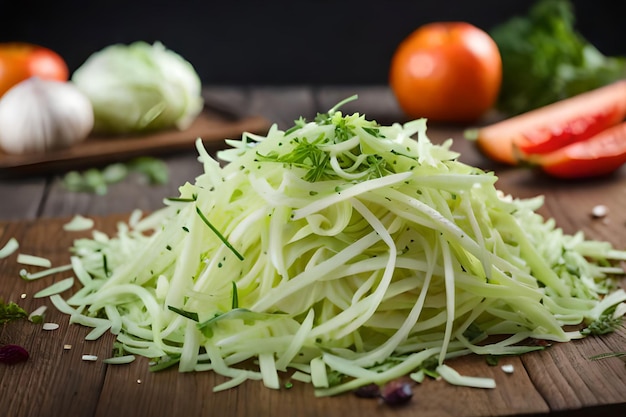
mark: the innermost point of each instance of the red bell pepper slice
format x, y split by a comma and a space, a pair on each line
599, 155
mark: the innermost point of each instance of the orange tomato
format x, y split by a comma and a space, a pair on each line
20, 61
446, 71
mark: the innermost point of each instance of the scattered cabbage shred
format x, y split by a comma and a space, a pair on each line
346, 251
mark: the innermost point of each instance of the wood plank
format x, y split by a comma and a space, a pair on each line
283, 105
252, 399
232, 102
22, 198
570, 380
376, 102
54, 381
561, 378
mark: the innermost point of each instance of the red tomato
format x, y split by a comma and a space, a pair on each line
20, 61
446, 71
553, 126
599, 155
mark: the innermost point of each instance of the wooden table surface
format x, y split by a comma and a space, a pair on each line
55, 382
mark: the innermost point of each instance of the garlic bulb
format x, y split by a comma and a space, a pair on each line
42, 115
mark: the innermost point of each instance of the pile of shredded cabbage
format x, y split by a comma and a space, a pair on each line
344, 253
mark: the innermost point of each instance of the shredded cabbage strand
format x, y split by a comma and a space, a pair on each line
346, 251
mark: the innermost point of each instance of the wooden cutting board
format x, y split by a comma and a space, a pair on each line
55, 381
212, 127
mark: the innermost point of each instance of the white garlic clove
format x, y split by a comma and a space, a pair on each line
38, 115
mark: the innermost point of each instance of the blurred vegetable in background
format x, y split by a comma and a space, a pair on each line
20, 61
545, 59
553, 126
578, 137
140, 87
447, 72
152, 171
39, 115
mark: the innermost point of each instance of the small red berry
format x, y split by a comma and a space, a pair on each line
12, 354
368, 391
397, 392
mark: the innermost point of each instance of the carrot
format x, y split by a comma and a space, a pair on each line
550, 127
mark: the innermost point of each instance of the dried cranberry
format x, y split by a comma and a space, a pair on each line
368, 391
397, 392
12, 354
541, 342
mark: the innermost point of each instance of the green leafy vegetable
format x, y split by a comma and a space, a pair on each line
352, 252
140, 87
545, 59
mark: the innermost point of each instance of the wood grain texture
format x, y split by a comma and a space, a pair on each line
54, 381
98, 150
283, 105
22, 197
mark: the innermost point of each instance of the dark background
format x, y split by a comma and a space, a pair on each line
310, 42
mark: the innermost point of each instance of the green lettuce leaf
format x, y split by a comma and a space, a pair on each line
545, 59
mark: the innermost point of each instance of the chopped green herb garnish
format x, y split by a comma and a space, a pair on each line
181, 200
164, 363
218, 234
608, 355
188, 314
11, 311
235, 303
605, 324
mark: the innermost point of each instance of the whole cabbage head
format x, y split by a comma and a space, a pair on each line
140, 87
